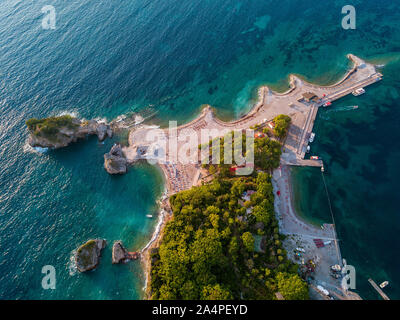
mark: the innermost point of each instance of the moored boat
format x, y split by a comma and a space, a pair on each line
358, 92
384, 284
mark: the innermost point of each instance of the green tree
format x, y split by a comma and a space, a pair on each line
267, 153
291, 286
215, 292
248, 241
238, 188
282, 123
233, 249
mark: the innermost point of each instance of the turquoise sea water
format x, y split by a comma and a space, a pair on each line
105, 59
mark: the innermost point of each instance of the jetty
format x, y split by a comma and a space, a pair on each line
378, 289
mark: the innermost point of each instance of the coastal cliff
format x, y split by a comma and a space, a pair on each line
59, 132
88, 255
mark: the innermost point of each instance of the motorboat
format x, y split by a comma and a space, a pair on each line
312, 137
358, 92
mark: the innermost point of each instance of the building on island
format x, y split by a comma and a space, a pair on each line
308, 97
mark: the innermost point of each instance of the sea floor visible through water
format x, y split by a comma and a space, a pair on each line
162, 60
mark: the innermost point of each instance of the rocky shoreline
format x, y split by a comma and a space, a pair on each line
59, 132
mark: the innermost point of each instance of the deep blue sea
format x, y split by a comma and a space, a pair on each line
107, 58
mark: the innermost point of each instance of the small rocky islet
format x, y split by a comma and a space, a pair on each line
115, 161
88, 255
121, 255
59, 132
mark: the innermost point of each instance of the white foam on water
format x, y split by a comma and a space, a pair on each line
72, 269
27, 148
73, 113
101, 120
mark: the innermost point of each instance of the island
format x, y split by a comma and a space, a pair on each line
87, 256
59, 132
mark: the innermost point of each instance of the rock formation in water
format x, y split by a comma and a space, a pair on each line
120, 254
59, 132
87, 256
115, 161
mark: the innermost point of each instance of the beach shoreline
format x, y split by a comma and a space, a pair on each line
165, 215
301, 234
179, 177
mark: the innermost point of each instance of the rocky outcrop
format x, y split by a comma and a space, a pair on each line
120, 254
59, 132
103, 130
115, 161
87, 256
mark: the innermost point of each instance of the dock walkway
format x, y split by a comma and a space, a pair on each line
378, 289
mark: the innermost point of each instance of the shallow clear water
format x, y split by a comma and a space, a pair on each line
106, 59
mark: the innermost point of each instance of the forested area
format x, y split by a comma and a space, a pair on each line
223, 241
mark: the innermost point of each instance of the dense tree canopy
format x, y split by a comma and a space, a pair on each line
291, 286
282, 123
208, 250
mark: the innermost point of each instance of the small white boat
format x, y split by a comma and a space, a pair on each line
308, 149
312, 137
149, 216
358, 92
323, 290
336, 268
384, 284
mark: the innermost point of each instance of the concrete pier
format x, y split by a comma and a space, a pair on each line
378, 289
